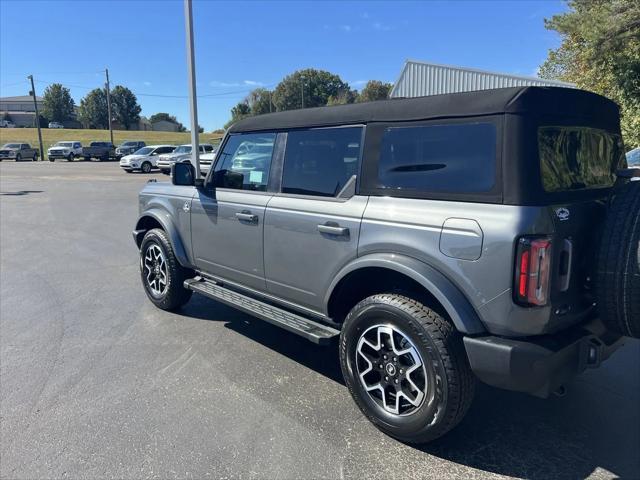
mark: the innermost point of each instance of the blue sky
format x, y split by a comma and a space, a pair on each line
241, 45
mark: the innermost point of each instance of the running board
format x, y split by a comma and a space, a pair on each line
309, 329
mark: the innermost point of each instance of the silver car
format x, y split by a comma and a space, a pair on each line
182, 152
439, 241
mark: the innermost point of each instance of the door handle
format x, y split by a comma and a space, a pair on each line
247, 217
333, 230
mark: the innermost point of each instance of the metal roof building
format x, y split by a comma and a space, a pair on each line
419, 79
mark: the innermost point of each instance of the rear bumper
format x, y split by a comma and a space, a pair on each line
540, 365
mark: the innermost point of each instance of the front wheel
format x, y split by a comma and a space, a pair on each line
162, 276
406, 368
70, 157
146, 167
18, 157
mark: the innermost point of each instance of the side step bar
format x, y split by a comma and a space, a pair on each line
309, 329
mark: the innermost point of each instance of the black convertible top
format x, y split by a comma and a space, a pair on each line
518, 100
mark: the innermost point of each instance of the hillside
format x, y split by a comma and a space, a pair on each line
52, 135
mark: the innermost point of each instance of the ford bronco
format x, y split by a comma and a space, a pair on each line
441, 240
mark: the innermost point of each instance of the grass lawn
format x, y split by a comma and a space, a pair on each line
86, 136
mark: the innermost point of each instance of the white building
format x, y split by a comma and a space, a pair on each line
419, 79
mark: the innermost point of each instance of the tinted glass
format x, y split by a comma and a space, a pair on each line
208, 148
633, 158
576, 158
144, 151
245, 162
457, 158
320, 162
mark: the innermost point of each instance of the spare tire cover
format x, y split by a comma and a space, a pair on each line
618, 263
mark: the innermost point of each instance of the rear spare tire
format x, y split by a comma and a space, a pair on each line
618, 263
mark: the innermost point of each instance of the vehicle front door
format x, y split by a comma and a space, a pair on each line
312, 225
227, 222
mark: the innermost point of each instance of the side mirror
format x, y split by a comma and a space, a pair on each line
183, 174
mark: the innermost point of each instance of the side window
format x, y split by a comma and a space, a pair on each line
208, 148
76, 145
321, 161
162, 150
24, 146
245, 162
439, 158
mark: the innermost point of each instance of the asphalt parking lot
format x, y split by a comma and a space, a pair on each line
96, 382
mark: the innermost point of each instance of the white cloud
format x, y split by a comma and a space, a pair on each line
358, 83
147, 84
381, 27
244, 83
253, 83
346, 28
364, 15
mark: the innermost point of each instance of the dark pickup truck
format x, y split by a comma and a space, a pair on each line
100, 150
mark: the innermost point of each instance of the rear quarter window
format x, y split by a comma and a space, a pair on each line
454, 158
577, 158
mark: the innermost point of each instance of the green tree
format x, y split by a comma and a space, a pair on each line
375, 90
124, 106
316, 86
343, 97
57, 104
240, 111
259, 101
600, 51
93, 109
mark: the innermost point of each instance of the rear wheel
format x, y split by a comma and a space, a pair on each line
618, 268
162, 276
405, 367
145, 167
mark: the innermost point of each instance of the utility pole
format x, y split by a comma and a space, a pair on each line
106, 71
35, 104
191, 70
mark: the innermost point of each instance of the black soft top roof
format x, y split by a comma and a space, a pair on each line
519, 100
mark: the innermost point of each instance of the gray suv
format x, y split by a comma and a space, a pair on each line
442, 240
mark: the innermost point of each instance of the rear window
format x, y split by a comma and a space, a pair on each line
577, 158
459, 158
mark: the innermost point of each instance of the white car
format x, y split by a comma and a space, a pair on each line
69, 150
183, 152
7, 124
55, 125
144, 159
206, 160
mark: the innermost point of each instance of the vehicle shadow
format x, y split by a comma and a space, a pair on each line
21, 192
590, 429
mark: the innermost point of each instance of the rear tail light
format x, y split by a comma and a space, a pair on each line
533, 269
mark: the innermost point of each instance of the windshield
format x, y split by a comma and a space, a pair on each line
633, 157
12, 145
64, 144
576, 158
183, 149
144, 151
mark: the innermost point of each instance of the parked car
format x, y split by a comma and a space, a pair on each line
182, 152
7, 124
206, 160
55, 125
128, 147
440, 240
144, 159
69, 150
100, 150
18, 152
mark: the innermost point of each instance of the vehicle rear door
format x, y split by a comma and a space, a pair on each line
312, 225
228, 222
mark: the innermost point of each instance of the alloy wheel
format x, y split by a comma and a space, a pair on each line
391, 370
155, 270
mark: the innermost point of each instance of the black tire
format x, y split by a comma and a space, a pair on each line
18, 157
52, 159
618, 264
174, 294
70, 157
449, 383
145, 167
35, 157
